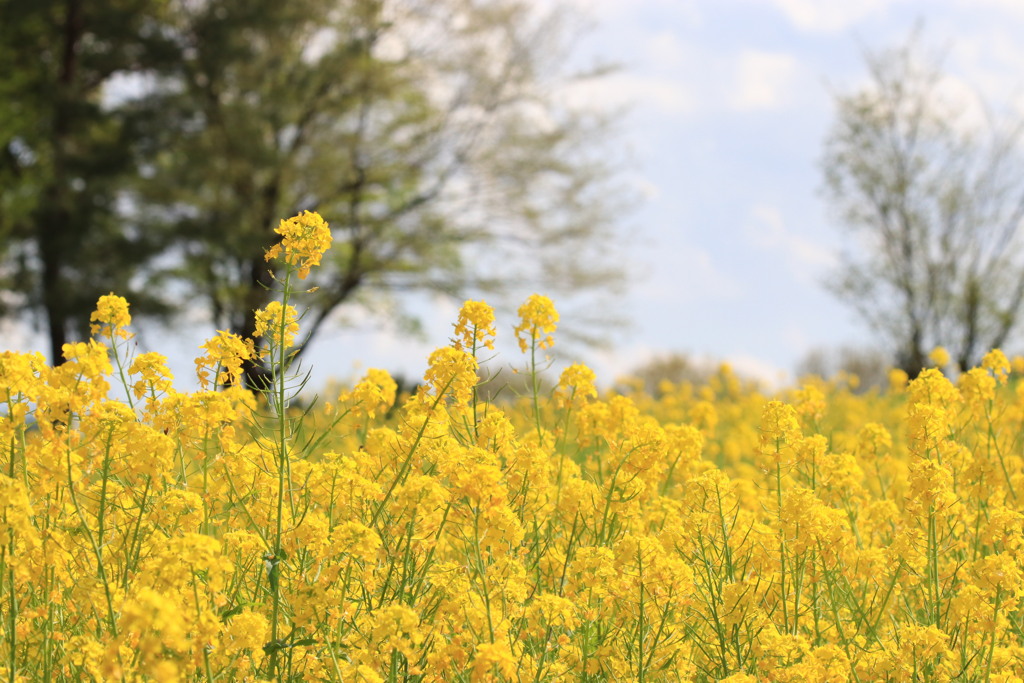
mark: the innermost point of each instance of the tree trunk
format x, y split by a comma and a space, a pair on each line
256, 375
53, 222
53, 258
913, 359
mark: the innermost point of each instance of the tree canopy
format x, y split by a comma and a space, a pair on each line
934, 197
66, 158
435, 136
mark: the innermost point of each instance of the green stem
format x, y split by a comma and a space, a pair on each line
12, 666
278, 367
535, 385
782, 543
992, 644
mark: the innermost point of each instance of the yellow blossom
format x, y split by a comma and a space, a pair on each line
995, 361
493, 662
779, 431
154, 375
475, 326
225, 354
940, 356
999, 575
452, 372
278, 323
304, 239
537, 321
375, 391
576, 383
111, 317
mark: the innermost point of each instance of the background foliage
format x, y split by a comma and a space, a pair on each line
149, 148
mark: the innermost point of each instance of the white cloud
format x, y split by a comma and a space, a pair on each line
662, 94
687, 274
961, 99
767, 230
772, 376
19, 336
666, 51
829, 16
796, 337
645, 187
764, 80
1009, 6
611, 365
685, 12
989, 65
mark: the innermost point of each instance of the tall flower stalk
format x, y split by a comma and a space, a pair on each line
304, 239
538, 319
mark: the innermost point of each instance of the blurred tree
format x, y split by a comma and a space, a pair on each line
65, 156
869, 366
674, 368
508, 384
936, 201
435, 136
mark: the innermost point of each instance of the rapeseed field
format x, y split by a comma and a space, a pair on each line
710, 533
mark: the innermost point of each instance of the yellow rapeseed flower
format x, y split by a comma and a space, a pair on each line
493, 662
452, 372
999, 575
154, 375
940, 356
278, 323
225, 354
375, 391
111, 316
780, 429
305, 238
537, 321
576, 384
995, 361
475, 325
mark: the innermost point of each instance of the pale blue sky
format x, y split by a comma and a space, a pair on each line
731, 105
729, 108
